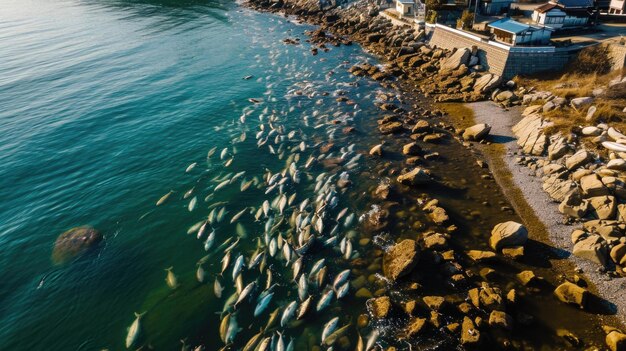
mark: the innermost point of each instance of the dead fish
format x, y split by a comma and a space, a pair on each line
171, 279
211, 152
255, 101
329, 328
218, 288
224, 324
192, 204
288, 314
245, 293
325, 300
247, 77
191, 167
164, 198
200, 274
188, 193
330, 339
304, 308
238, 215
229, 162
223, 153
134, 331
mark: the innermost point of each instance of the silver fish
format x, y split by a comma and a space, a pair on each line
191, 167
218, 288
164, 198
200, 274
238, 215
134, 331
239, 264
245, 292
341, 278
263, 303
171, 279
288, 314
329, 328
192, 204
325, 300
303, 287
304, 307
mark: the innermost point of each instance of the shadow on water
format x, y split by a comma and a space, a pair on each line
171, 13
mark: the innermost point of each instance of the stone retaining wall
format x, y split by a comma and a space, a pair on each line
501, 59
618, 54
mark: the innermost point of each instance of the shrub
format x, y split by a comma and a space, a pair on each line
592, 60
466, 20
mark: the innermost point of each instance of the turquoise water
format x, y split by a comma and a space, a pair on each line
104, 105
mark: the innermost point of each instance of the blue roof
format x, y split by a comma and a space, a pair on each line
509, 25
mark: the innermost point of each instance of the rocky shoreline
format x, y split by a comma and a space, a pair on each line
444, 76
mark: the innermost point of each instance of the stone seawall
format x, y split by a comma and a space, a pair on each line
501, 59
618, 55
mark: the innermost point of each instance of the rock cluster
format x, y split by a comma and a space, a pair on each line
588, 187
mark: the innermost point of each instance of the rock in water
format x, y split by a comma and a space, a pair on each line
418, 176
74, 243
508, 234
477, 132
400, 259
572, 294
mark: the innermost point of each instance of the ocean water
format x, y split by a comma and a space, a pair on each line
106, 103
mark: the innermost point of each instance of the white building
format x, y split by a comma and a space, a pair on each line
617, 7
513, 33
495, 7
405, 7
563, 13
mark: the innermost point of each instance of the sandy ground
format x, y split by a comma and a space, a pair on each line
545, 209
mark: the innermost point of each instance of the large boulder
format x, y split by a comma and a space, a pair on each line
530, 135
591, 185
417, 176
460, 57
592, 248
486, 83
400, 259
579, 159
74, 243
508, 234
616, 340
477, 132
571, 293
470, 335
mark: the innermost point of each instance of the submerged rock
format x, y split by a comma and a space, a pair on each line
74, 243
400, 259
572, 294
417, 176
379, 307
508, 234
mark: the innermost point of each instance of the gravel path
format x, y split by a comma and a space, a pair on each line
545, 209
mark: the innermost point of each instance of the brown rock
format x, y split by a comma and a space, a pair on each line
572, 294
400, 259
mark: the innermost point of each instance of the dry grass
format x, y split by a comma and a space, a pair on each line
571, 85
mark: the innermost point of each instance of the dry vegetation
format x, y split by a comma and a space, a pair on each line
589, 71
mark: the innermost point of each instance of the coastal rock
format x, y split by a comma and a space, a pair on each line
530, 136
460, 57
558, 148
500, 319
421, 126
592, 248
486, 83
571, 293
574, 206
417, 176
477, 132
558, 188
591, 185
411, 149
377, 150
508, 234
400, 259
617, 164
579, 159
603, 206
578, 103
616, 340
469, 334
74, 243
480, 256
415, 326
391, 128
379, 307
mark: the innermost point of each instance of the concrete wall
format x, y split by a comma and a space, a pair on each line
503, 60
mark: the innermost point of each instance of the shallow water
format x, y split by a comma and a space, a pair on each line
106, 104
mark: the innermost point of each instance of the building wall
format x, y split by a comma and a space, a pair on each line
501, 59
